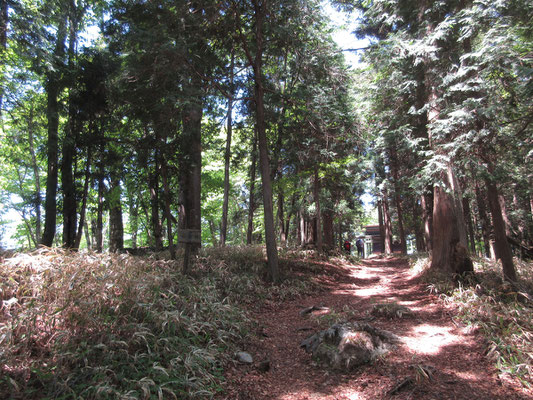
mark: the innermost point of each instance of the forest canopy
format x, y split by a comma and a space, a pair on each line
242, 121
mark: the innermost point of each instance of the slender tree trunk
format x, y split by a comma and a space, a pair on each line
470, 225
485, 226
116, 227
53, 88
403, 238
251, 202
169, 217
134, 221
387, 224
84, 199
270, 234
87, 236
99, 232
502, 249
153, 183
4, 18
417, 227
35, 167
316, 195
327, 223
381, 226
227, 158
281, 217
426, 202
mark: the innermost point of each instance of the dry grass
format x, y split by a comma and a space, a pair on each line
85, 325
501, 312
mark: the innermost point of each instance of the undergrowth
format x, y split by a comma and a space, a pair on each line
107, 326
501, 312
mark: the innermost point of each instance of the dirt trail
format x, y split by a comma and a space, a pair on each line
432, 344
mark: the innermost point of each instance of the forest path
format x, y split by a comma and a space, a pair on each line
431, 342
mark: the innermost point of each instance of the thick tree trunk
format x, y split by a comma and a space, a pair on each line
68, 183
327, 223
251, 202
449, 253
53, 88
116, 227
271, 247
190, 173
502, 248
227, 158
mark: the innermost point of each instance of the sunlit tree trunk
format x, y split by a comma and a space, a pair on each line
483, 217
251, 201
116, 227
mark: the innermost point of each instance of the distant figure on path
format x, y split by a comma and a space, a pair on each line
347, 246
360, 247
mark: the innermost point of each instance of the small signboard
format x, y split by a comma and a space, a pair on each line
192, 236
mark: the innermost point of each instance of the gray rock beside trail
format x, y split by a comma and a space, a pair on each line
244, 357
347, 346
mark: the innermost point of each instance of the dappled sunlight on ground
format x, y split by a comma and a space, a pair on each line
430, 339
436, 358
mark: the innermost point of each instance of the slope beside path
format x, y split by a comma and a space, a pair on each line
438, 358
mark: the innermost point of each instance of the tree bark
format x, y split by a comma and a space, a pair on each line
116, 227
257, 65
387, 224
35, 167
251, 202
316, 194
153, 183
190, 173
381, 226
502, 248
53, 88
99, 232
469, 224
483, 217
426, 202
4, 19
85, 195
169, 217
227, 158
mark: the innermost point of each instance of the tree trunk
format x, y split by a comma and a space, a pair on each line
35, 167
470, 225
381, 226
85, 195
116, 227
426, 202
227, 158
190, 173
153, 183
271, 247
4, 19
327, 221
53, 88
417, 227
502, 248
251, 202
449, 253
169, 217
281, 217
387, 224
68, 183
99, 232
316, 195
483, 217
134, 221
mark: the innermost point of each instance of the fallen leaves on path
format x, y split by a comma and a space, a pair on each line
437, 359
